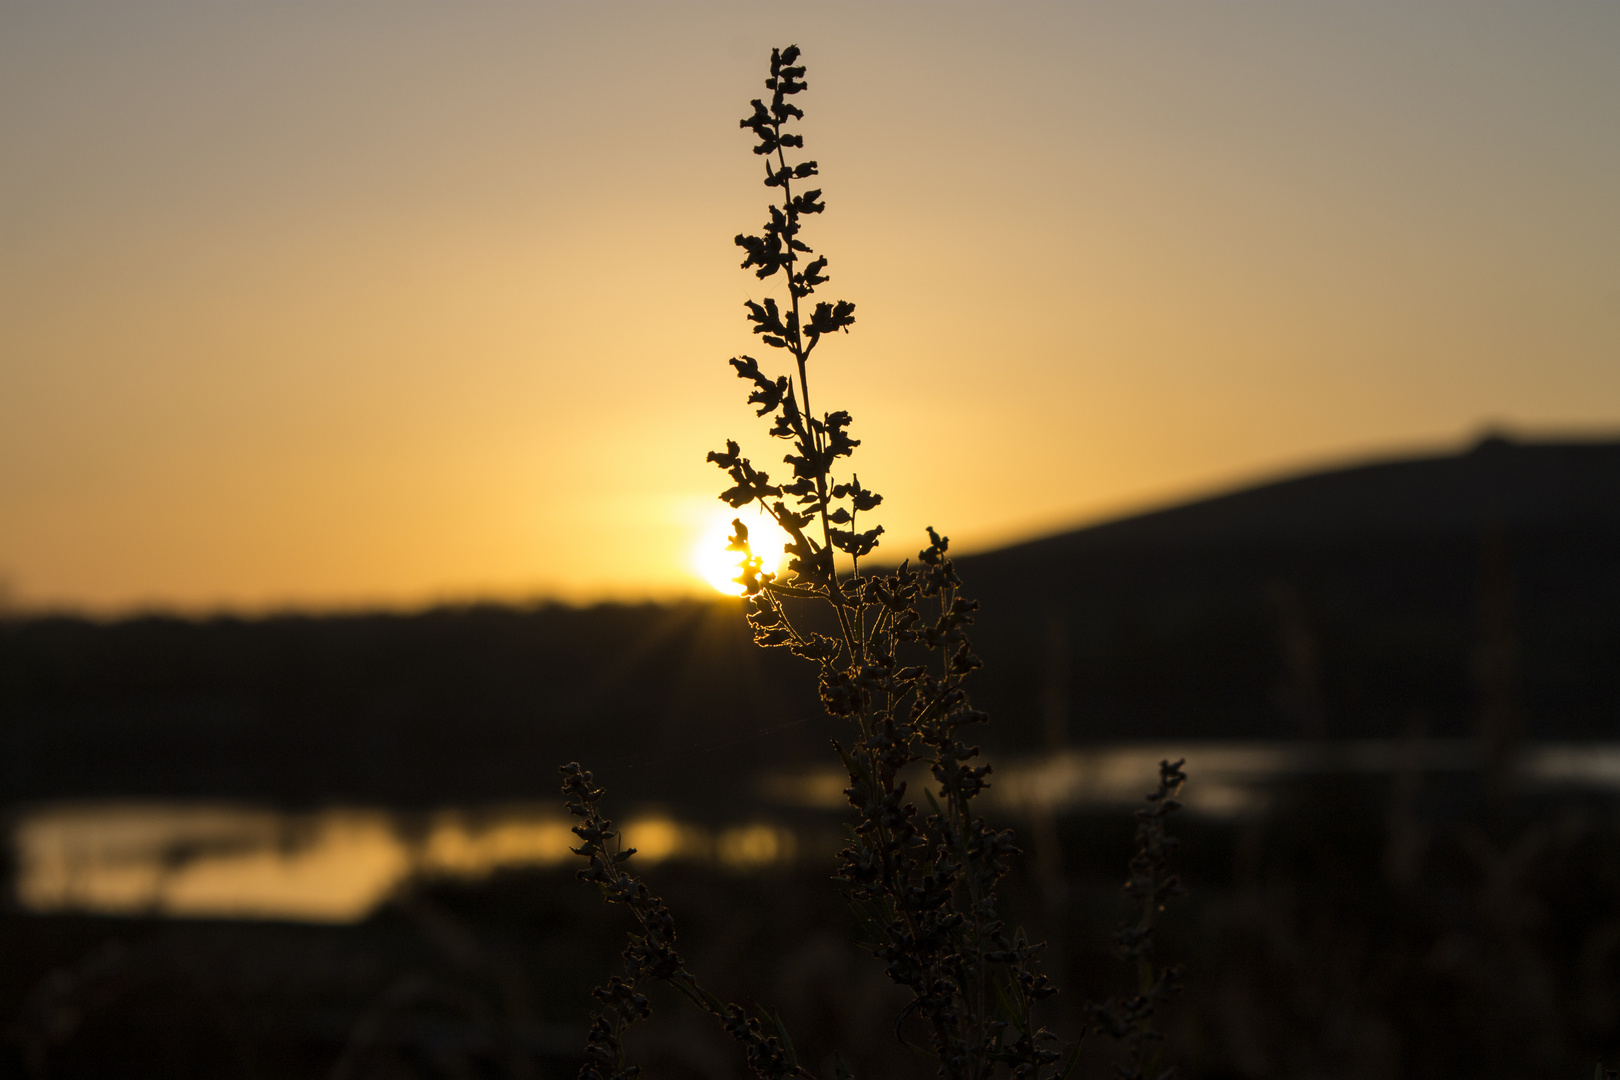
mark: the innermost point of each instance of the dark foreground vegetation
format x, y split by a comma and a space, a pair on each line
1315, 944
1392, 924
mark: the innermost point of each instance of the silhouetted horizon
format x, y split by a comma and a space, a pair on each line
1140, 523
1334, 605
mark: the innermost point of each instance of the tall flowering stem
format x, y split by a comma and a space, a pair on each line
1150, 886
650, 955
922, 876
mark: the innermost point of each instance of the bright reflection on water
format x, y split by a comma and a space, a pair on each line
206, 860
336, 865
1226, 779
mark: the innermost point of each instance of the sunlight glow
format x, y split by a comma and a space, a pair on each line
719, 567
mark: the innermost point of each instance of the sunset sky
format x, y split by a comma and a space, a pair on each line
347, 304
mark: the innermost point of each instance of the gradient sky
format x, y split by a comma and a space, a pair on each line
354, 303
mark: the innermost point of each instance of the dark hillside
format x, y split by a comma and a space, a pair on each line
1523, 487
1348, 604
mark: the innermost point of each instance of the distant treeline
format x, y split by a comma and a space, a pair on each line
476, 704
1475, 594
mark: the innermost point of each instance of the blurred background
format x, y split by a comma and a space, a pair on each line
359, 363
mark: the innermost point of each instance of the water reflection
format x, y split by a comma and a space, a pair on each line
1228, 779
335, 865
224, 861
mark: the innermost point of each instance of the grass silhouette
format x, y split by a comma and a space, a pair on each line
892, 658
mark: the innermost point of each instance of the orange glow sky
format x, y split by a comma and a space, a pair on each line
355, 303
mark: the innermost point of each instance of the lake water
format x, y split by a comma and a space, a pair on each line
221, 860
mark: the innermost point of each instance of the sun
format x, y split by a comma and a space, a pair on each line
719, 567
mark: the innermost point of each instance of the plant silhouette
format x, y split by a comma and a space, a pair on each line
921, 875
